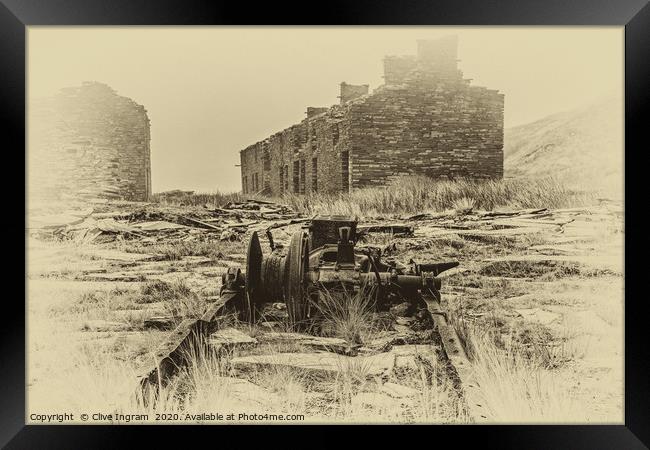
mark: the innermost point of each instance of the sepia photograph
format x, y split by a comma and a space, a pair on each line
325, 224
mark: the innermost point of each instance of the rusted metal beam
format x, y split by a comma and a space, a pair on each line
459, 360
173, 354
394, 229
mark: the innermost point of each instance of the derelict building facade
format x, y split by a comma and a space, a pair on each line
426, 119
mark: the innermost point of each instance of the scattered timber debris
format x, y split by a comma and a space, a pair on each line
160, 223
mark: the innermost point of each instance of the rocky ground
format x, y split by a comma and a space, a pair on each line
107, 282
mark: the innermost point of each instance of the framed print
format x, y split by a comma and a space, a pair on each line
379, 215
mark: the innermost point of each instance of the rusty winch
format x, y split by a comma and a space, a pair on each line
323, 259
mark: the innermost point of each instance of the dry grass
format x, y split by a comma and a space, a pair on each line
413, 194
348, 315
189, 198
463, 205
516, 381
417, 194
177, 250
438, 400
96, 381
518, 387
130, 306
178, 299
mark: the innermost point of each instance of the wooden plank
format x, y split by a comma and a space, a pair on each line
199, 222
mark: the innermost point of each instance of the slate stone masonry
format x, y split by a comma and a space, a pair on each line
426, 119
89, 142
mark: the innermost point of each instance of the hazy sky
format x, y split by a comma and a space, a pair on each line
211, 91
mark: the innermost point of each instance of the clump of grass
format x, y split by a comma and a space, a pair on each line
463, 205
415, 194
290, 384
437, 400
158, 290
514, 380
349, 315
179, 300
351, 379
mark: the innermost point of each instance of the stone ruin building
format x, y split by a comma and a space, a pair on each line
88, 142
426, 119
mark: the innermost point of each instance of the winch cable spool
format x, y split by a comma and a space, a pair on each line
273, 278
253, 288
295, 292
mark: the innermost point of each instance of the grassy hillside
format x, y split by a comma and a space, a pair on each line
583, 147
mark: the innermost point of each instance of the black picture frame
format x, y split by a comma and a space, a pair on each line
16, 15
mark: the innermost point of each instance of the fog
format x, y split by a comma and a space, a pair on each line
211, 91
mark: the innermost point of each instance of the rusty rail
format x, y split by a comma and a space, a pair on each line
174, 353
459, 361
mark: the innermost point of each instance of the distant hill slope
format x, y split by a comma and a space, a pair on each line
583, 147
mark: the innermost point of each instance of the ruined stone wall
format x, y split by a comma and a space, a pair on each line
448, 132
426, 120
396, 68
88, 142
352, 91
304, 158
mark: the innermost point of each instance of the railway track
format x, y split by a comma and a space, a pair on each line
190, 337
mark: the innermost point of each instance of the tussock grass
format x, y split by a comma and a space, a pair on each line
348, 315
415, 194
411, 195
291, 385
515, 381
178, 299
463, 205
190, 198
437, 401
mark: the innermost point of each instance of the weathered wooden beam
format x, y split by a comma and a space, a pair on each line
201, 223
